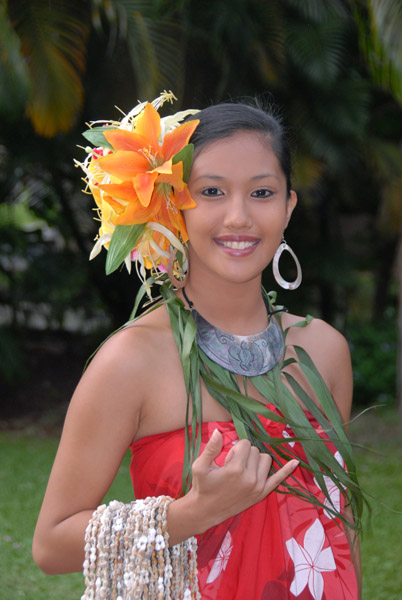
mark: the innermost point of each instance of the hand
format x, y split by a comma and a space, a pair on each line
242, 481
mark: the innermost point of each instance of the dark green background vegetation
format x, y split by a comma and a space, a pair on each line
334, 69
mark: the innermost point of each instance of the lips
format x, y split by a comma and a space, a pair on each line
238, 245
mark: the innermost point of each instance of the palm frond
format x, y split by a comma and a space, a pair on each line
53, 40
267, 46
345, 109
14, 78
318, 11
156, 47
318, 50
331, 119
386, 20
380, 38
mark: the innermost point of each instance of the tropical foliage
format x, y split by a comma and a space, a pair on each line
334, 67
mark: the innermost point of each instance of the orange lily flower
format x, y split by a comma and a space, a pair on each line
137, 178
144, 180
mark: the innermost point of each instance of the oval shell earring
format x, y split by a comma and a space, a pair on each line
287, 285
177, 274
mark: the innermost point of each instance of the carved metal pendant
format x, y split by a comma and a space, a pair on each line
242, 354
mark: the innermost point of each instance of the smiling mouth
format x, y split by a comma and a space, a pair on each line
237, 245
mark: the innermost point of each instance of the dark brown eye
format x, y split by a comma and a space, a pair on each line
211, 192
262, 193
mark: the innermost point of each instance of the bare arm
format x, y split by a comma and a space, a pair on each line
101, 422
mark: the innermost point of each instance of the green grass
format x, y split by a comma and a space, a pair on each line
381, 476
24, 468
26, 459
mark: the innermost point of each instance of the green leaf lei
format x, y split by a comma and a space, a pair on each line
245, 411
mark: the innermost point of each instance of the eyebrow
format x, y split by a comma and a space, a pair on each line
219, 177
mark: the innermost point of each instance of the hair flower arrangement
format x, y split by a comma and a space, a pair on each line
137, 172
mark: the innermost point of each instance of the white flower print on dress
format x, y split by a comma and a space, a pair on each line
285, 434
221, 559
333, 491
310, 561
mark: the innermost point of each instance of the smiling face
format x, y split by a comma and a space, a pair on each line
242, 208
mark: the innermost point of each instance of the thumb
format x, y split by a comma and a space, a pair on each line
211, 450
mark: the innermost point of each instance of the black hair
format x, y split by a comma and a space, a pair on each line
224, 120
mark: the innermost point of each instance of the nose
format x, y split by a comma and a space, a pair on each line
237, 214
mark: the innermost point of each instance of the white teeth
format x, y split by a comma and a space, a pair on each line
238, 245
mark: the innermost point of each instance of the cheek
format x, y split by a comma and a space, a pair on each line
271, 217
197, 220
189, 221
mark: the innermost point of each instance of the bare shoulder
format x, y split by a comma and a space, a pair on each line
131, 346
138, 338
316, 334
330, 353
115, 384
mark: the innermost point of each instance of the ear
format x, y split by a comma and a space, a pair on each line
290, 206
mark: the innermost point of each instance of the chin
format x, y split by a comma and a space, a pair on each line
239, 278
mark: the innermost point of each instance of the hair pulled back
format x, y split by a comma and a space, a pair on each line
224, 120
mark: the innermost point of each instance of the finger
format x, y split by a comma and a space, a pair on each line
229, 456
239, 455
212, 449
264, 465
274, 480
253, 460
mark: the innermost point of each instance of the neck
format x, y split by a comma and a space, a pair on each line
236, 308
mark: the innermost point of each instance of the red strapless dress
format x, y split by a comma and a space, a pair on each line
281, 548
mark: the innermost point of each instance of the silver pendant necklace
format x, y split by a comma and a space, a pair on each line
247, 355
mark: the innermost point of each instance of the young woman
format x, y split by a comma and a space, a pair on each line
272, 486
